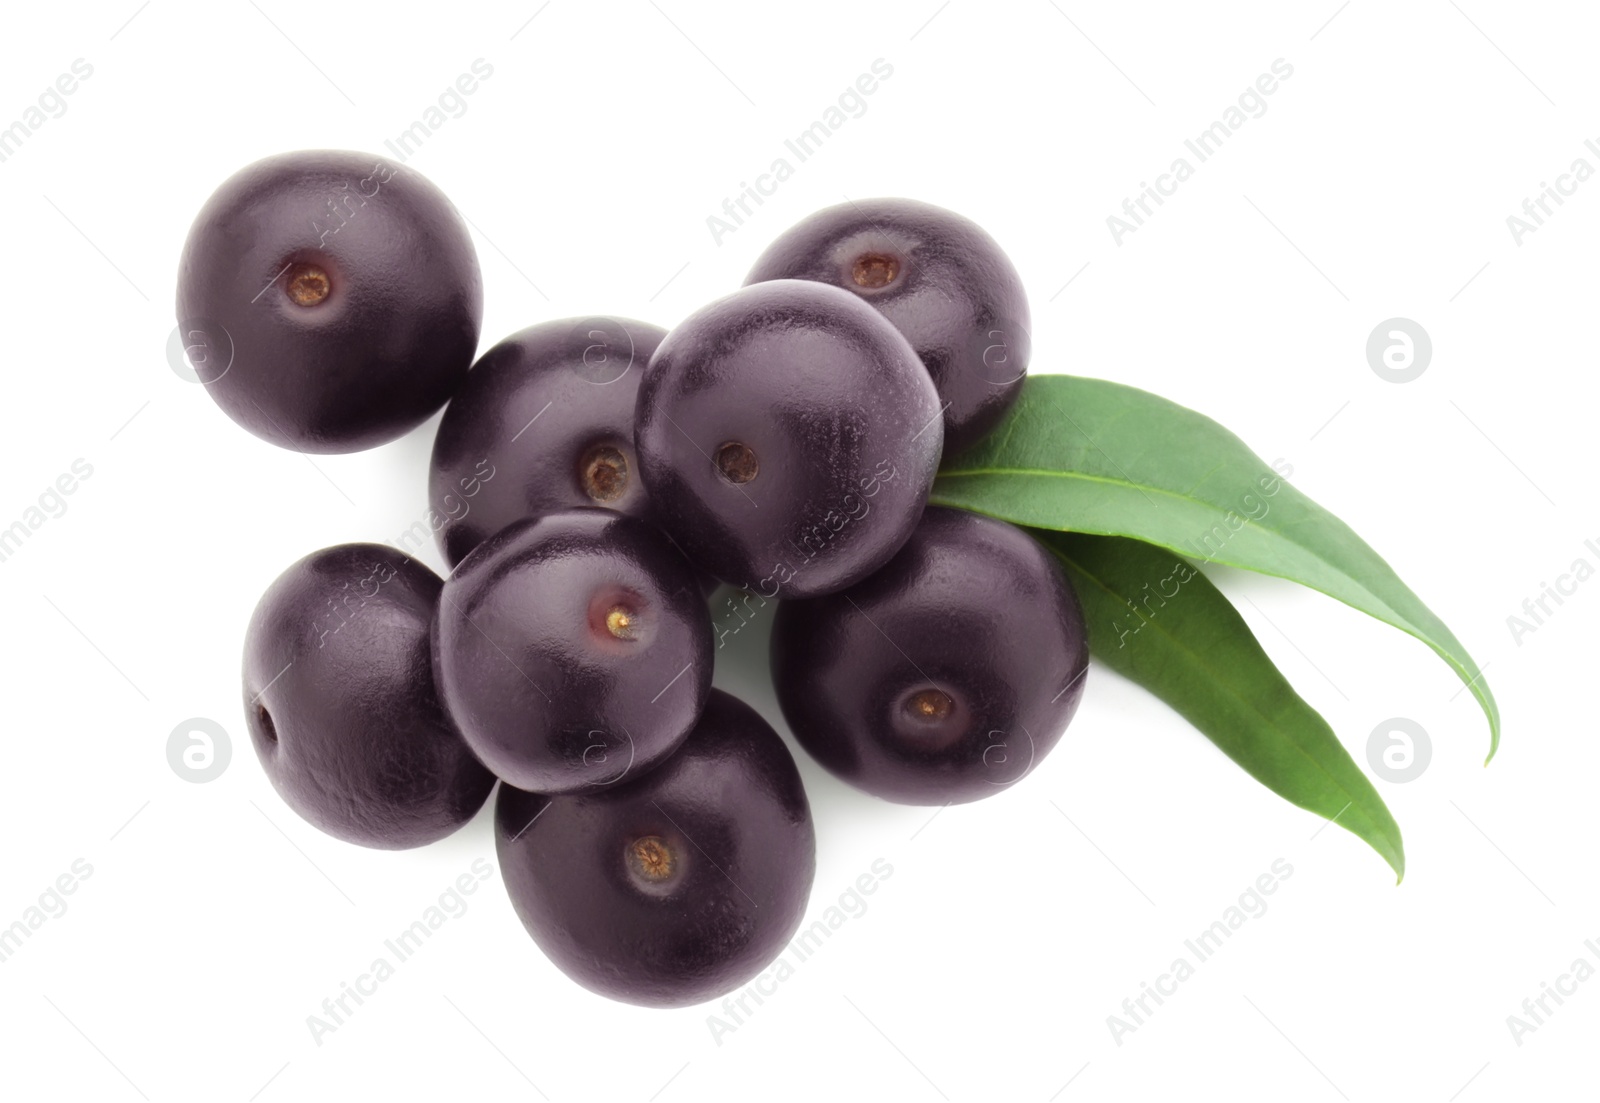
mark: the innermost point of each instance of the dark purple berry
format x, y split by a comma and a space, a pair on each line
573, 649
675, 887
543, 422
946, 676
348, 290
788, 437
941, 280
340, 702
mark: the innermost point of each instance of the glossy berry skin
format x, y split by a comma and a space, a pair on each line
945, 677
676, 886
573, 649
339, 295
340, 702
788, 438
543, 422
942, 281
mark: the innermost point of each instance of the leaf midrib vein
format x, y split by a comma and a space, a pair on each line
1281, 533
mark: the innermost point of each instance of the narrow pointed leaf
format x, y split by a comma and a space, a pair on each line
1194, 651
1086, 455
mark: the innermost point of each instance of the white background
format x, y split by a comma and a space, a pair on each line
1376, 185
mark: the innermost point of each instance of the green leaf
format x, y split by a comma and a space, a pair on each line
1086, 455
1181, 639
